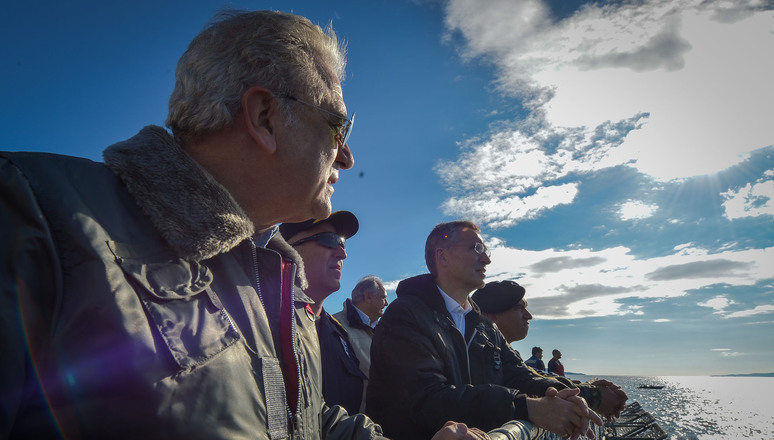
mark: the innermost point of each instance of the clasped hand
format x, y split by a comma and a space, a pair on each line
563, 412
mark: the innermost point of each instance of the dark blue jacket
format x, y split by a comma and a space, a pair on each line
343, 382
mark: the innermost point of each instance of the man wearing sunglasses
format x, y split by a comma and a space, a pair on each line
322, 246
434, 357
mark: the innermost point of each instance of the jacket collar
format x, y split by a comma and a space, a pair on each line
354, 319
193, 212
425, 288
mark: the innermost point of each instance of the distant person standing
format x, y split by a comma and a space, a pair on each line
536, 361
359, 317
554, 365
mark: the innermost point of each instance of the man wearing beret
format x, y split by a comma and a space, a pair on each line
503, 302
434, 357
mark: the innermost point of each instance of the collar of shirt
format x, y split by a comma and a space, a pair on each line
456, 311
262, 239
363, 317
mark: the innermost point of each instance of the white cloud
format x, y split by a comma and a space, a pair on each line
752, 200
584, 282
758, 310
514, 176
635, 210
504, 212
719, 304
674, 88
699, 69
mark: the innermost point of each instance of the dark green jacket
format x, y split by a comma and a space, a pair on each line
134, 305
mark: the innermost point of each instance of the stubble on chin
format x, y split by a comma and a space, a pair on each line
322, 207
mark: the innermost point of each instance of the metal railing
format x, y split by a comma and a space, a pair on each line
634, 424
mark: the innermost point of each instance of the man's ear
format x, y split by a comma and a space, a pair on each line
259, 110
440, 257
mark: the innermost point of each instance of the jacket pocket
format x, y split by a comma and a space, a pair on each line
182, 306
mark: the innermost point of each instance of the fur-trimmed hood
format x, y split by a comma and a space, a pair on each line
194, 213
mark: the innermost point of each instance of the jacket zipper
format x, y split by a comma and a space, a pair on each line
292, 418
287, 281
254, 251
465, 344
467, 353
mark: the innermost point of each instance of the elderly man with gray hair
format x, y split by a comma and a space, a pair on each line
359, 317
150, 296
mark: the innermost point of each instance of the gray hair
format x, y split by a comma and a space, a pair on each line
282, 52
442, 235
369, 283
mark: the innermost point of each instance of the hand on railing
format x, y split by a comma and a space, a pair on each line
459, 431
613, 399
563, 413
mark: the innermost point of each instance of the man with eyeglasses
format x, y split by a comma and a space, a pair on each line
503, 302
150, 296
435, 358
321, 244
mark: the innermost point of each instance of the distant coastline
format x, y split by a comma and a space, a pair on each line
745, 375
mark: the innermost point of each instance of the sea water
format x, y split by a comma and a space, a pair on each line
704, 407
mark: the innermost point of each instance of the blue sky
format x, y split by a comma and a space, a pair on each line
617, 155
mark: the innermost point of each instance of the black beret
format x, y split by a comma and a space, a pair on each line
498, 296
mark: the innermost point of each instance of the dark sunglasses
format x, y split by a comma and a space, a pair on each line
328, 239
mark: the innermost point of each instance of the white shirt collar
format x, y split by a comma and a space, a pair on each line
363, 317
457, 311
261, 240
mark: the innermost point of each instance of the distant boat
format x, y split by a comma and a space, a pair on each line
651, 387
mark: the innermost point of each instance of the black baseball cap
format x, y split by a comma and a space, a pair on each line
344, 222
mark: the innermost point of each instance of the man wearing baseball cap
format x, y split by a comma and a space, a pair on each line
503, 302
322, 246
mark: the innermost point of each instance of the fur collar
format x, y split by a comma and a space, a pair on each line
193, 212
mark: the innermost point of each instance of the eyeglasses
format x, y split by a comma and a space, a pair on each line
328, 239
346, 128
479, 248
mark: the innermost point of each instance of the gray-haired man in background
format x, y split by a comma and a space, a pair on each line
360, 315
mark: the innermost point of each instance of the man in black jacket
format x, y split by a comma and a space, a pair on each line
321, 244
434, 357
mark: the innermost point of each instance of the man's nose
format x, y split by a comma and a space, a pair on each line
340, 252
344, 157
